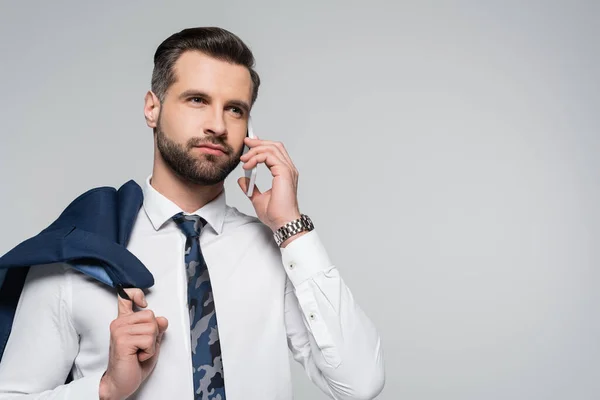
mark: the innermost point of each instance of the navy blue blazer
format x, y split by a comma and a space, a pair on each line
90, 235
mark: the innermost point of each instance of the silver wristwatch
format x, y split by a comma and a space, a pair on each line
293, 228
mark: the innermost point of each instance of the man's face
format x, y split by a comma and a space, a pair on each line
203, 118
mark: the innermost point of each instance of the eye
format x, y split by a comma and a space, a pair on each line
197, 100
236, 110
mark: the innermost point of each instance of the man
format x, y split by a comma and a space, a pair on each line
226, 335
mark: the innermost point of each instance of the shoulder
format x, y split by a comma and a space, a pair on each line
47, 274
44, 287
52, 281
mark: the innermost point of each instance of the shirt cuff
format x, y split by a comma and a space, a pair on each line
305, 257
87, 387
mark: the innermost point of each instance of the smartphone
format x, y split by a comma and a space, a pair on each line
251, 173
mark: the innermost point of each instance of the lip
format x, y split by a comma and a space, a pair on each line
211, 149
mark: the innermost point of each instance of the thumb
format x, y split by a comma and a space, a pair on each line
135, 296
243, 183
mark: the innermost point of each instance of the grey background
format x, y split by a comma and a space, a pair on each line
447, 152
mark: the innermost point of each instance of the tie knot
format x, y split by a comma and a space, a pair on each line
190, 225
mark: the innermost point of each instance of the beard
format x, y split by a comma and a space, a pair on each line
200, 169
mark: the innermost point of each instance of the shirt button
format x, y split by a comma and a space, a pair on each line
292, 265
312, 316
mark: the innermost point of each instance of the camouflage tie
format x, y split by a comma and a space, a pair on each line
206, 349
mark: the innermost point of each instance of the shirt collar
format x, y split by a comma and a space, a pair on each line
160, 209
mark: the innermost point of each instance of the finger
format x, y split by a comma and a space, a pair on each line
125, 306
275, 165
144, 356
147, 328
261, 148
137, 297
280, 148
125, 344
146, 345
123, 321
269, 149
163, 324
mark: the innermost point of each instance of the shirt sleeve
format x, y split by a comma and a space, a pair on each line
43, 343
328, 333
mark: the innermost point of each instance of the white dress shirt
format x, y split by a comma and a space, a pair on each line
267, 300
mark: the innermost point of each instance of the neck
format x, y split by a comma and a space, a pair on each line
188, 196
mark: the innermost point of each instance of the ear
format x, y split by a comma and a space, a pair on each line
151, 109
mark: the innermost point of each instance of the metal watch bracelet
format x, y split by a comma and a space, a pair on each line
293, 228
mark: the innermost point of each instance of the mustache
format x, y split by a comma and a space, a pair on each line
196, 142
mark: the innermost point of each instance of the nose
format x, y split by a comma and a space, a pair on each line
215, 123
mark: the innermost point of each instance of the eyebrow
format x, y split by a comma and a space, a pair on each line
197, 93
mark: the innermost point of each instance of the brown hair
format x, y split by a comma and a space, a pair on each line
214, 42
